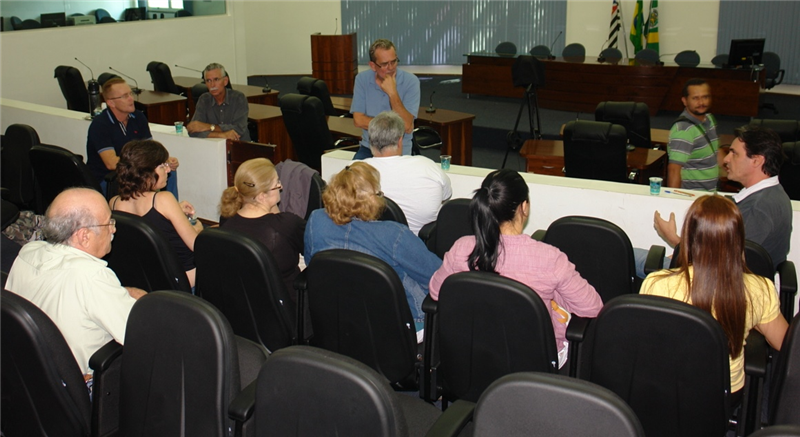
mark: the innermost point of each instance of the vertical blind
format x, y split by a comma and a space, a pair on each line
442, 32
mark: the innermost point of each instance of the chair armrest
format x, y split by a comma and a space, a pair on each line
755, 355
105, 389
655, 259
453, 421
539, 235
788, 288
429, 390
576, 334
241, 408
426, 232
430, 306
105, 356
300, 285
778, 79
755, 368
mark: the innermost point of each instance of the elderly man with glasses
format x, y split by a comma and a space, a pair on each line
221, 112
384, 88
66, 277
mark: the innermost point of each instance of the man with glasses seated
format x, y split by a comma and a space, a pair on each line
117, 125
384, 88
67, 279
221, 112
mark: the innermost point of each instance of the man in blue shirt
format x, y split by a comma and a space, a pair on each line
384, 88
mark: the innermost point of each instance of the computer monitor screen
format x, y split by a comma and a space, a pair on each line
745, 52
56, 19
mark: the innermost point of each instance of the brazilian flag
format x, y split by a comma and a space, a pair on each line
651, 28
637, 27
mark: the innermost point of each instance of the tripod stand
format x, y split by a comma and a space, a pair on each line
526, 72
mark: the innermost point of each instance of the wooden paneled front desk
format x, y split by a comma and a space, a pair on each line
160, 107
580, 84
547, 157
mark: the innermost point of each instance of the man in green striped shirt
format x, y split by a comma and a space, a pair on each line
693, 143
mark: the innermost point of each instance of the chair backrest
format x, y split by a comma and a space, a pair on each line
393, 212
506, 48
540, 51
305, 121
304, 391
647, 57
31, 24
490, 326
9, 213
526, 71
790, 171
553, 405
423, 138
311, 86
142, 257
757, 259
720, 60
16, 172
105, 77
778, 431
574, 50
772, 64
73, 88
601, 251
611, 54
107, 20
181, 367
161, 76
55, 169
43, 388
666, 359
595, 150
788, 130
16, 23
99, 14
358, 308
784, 394
633, 116
687, 58
452, 223
198, 90
237, 274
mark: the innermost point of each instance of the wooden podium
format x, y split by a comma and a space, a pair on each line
334, 60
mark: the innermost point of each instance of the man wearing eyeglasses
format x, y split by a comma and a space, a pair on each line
384, 88
67, 279
116, 126
221, 112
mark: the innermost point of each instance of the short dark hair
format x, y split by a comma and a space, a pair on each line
136, 169
765, 142
695, 81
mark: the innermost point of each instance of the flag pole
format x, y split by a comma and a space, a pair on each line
622, 19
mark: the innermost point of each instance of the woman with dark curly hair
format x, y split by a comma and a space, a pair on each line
141, 173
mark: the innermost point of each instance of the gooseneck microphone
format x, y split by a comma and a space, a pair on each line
431, 109
266, 88
190, 69
90, 69
135, 89
551, 56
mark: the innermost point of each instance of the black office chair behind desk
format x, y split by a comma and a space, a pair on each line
161, 77
774, 75
311, 86
73, 87
633, 116
595, 150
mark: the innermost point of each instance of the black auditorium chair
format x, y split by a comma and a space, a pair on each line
540, 51
506, 48
574, 52
633, 116
305, 391
451, 223
43, 388
311, 86
56, 168
142, 257
484, 326
73, 88
183, 367
104, 77
595, 150
392, 212
198, 90
687, 58
774, 75
358, 308
610, 55
15, 163
667, 359
790, 171
425, 138
541, 404
161, 77
307, 126
238, 274
784, 394
647, 57
788, 130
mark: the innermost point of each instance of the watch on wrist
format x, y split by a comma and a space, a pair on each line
213, 128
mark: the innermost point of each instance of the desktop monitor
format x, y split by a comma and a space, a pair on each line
56, 19
745, 52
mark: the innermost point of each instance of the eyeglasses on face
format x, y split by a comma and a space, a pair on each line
387, 64
124, 96
112, 223
214, 79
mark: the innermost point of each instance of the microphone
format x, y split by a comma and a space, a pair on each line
191, 69
135, 89
600, 57
431, 109
554, 43
266, 88
90, 70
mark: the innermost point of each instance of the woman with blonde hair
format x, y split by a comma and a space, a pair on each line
353, 203
251, 207
141, 173
712, 276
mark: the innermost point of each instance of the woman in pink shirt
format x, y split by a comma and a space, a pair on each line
498, 212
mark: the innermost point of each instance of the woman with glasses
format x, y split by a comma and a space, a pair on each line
142, 174
250, 206
353, 202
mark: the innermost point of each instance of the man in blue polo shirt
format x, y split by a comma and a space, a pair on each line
384, 88
118, 124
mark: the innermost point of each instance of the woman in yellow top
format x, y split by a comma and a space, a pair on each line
713, 277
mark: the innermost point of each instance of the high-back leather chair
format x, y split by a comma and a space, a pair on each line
142, 257
788, 130
393, 212
774, 75
425, 138
611, 55
633, 116
647, 57
574, 52
720, 60
55, 169
451, 223
16, 172
183, 366
687, 58
305, 391
104, 77
161, 76
239, 276
784, 394
506, 48
540, 51
595, 150
73, 88
790, 171
311, 86
488, 326
358, 308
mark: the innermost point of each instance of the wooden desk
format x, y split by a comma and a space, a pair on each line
161, 107
343, 127
547, 157
580, 86
237, 152
254, 94
454, 127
